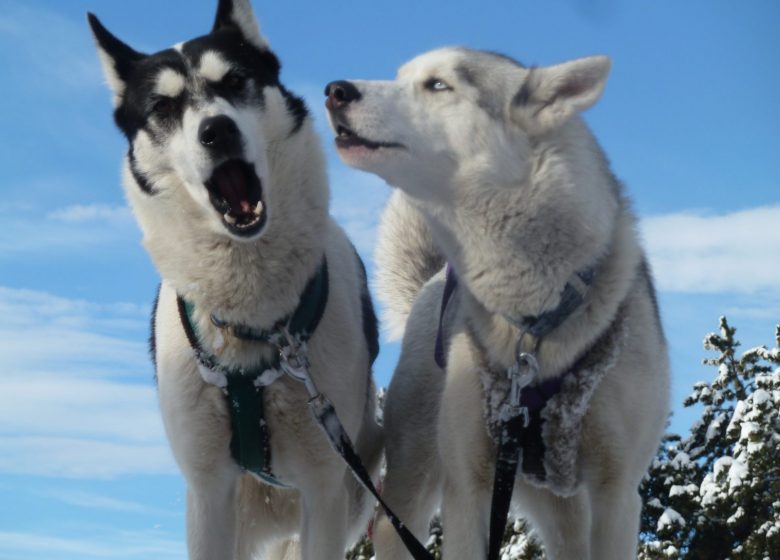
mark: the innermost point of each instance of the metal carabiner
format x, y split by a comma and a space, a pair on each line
293, 362
521, 374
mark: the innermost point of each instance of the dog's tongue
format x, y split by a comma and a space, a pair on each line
231, 181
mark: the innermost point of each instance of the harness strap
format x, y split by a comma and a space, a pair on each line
450, 283
538, 326
572, 296
302, 322
510, 445
244, 388
520, 432
519, 442
326, 417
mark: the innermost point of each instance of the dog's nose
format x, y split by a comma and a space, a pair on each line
219, 134
340, 93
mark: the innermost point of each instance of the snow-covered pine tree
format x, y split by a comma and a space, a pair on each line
715, 494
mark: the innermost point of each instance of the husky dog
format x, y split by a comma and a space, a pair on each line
498, 176
226, 177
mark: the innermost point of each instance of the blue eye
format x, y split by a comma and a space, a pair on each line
436, 84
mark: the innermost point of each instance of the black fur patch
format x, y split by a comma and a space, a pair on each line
296, 107
370, 323
138, 101
646, 273
139, 177
152, 333
523, 95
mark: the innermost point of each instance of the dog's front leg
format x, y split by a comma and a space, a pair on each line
467, 458
324, 523
211, 517
616, 509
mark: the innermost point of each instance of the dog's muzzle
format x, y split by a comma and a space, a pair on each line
340, 94
236, 193
220, 136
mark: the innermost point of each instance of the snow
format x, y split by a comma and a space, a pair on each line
713, 430
760, 396
688, 489
737, 474
681, 460
739, 514
669, 518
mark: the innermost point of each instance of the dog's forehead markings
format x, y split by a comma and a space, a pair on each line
213, 66
169, 82
178, 46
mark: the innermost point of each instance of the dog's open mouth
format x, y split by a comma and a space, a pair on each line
345, 138
236, 193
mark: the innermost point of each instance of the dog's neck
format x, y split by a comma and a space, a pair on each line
515, 246
258, 282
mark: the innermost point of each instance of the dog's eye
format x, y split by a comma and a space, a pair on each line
436, 84
163, 106
234, 81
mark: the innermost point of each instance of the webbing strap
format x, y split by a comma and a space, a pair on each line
507, 460
326, 417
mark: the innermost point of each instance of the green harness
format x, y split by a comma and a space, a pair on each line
250, 443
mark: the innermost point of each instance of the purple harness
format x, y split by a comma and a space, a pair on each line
534, 397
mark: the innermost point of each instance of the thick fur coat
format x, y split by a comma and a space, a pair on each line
498, 175
226, 177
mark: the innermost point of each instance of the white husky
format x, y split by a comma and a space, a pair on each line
499, 176
226, 177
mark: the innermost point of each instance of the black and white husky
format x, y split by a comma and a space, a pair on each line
226, 177
498, 175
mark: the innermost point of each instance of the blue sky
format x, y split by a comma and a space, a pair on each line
689, 119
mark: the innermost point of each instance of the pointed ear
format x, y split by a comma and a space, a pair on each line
116, 57
552, 95
238, 14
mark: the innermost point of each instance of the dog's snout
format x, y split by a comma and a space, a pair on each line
340, 94
220, 134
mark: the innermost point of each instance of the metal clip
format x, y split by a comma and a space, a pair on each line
521, 374
292, 360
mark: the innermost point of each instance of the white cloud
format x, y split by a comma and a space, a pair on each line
62, 457
41, 332
56, 405
116, 544
76, 392
91, 212
695, 252
91, 500
73, 228
358, 199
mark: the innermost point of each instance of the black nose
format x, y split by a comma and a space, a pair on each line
340, 93
220, 134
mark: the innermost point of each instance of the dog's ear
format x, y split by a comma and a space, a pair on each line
116, 57
238, 14
551, 95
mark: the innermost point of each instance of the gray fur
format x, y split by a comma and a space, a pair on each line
516, 207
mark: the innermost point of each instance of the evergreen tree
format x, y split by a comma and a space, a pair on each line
716, 493
713, 494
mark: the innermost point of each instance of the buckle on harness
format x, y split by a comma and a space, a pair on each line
293, 361
521, 374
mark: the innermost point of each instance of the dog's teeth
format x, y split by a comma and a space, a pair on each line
228, 218
258, 208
